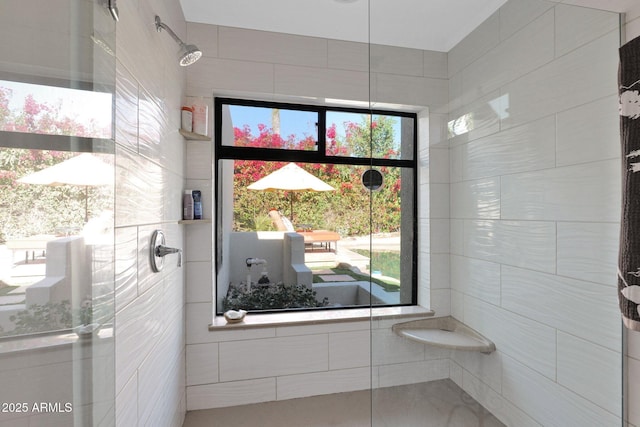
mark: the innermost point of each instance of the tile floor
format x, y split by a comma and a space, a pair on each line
433, 404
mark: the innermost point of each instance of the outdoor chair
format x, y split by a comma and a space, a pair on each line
324, 238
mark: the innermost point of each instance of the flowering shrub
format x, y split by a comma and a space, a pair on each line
346, 210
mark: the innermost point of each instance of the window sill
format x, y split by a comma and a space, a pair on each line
48, 342
255, 321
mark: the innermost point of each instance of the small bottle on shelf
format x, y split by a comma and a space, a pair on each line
197, 204
187, 205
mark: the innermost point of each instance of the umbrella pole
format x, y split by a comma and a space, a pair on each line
86, 204
291, 206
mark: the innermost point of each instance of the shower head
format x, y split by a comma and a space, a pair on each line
188, 53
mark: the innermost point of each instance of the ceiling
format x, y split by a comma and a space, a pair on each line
434, 24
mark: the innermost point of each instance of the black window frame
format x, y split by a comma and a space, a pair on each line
227, 152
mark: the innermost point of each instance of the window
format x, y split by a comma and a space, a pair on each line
296, 228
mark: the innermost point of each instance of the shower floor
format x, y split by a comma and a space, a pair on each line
434, 404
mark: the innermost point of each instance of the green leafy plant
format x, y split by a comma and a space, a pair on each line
51, 316
274, 297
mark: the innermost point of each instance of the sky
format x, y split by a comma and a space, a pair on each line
293, 121
81, 105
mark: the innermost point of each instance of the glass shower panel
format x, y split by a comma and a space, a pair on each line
56, 209
518, 150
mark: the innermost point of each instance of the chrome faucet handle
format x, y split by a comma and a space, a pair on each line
159, 251
162, 250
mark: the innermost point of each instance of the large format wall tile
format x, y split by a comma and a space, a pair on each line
528, 341
476, 199
395, 60
264, 46
524, 148
126, 266
576, 26
526, 50
527, 244
413, 372
497, 404
584, 309
349, 349
573, 193
588, 251
582, 139
516, 14
344, 55
591, 371
231, 394
554, 87
475, 45
241, 360
477, 278
548, 402
126, 109
138, 325
318, 383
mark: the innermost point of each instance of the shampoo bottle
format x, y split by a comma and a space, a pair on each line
187, 205
197, 204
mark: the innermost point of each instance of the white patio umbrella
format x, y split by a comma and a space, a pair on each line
84, 170
293, 178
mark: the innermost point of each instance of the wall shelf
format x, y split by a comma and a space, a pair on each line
194, 221
193, 136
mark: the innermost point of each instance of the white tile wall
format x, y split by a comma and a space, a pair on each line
535, 200
313, 384
581, 140
526, 340
271, 357
588, 251
532, 195
149, 324
591, 371
548, 402
527, 244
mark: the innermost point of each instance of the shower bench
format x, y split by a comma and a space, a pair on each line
446, 332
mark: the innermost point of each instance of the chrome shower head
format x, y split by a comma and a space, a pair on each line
188, 53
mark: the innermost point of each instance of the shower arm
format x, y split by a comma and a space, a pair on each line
162, 26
